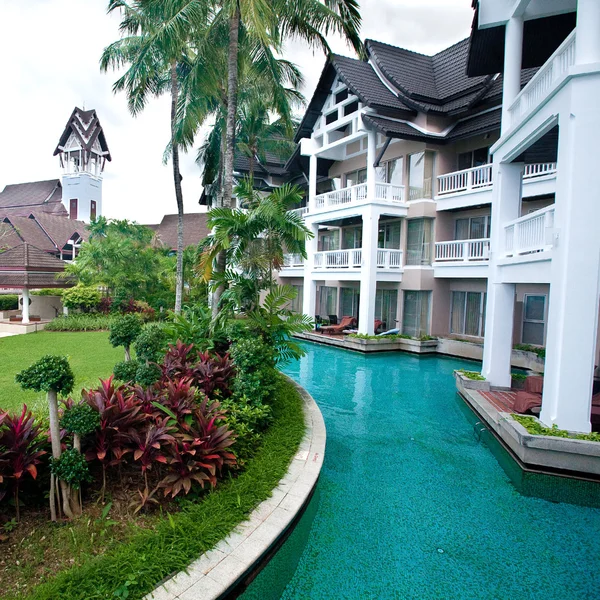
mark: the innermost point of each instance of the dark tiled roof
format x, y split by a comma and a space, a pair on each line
194, 230
398, 129
30, 194
59, 229
30, 232
26, 257
86, 127
482, 123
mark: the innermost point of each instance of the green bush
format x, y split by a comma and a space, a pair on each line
472, 375
255, 365
71, 467
9, 302
83, 298
49, 373
48, 292
539, 350
124, 331
147, 373
81, 419
80, 322
151, 344
126, 370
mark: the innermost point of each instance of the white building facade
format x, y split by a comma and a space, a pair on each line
455, 197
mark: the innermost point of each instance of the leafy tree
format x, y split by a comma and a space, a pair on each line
53, 375
120, 257
124, 331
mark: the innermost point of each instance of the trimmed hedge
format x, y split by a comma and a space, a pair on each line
9, 302
81, 322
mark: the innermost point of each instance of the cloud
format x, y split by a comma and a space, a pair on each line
50, 51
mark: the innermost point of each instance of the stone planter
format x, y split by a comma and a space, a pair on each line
464, 383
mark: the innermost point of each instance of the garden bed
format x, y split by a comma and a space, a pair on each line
139, 554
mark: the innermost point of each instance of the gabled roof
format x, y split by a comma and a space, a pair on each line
26, 266
85, 125
31, 194
59, 229
30, 232
194, 230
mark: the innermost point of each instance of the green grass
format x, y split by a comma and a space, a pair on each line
90, 356
175, 540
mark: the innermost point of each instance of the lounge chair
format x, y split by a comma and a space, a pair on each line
531, 396
345, 323
377, 325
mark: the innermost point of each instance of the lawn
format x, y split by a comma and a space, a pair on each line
90, 355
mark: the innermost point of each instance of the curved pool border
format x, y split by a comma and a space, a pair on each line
218, 572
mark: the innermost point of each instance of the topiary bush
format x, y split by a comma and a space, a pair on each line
82, 298
124, 331
71, 467
151, 344
80, 419
50, 373
255, 365
126, 371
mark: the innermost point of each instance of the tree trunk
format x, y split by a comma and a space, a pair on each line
51, 499
232, 93
127, 354
178, 191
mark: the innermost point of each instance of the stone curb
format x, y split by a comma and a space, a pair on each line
217, 571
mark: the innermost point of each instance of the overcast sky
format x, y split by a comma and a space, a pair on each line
49, 53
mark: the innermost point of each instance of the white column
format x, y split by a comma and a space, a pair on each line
312, 181
513, 57
371, 158
25, 311
500, 304
587, 48
575, 277
310, 286
368, 272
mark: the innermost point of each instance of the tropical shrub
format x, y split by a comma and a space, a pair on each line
81, 298
126, 370
21, 449
80, 322
124, 331
71, 467
9, 302
47, 292
255, 365
150, 345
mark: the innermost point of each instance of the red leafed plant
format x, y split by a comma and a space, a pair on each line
214, 373
179, 361
20, 449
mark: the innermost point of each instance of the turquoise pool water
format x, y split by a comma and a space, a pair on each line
411, 504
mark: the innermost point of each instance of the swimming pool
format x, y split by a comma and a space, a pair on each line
412, 502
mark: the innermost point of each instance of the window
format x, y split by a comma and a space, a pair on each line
341, 96
534, 319
297, 302
386, 307
415, 316
331, 117
356, 177
395, 171
389, 235
352, 237
350, 299
472, 228
418, 243
474, 158
350, 108
73, 208
467, 313
327, 301
92, 210
420, 175
330, 240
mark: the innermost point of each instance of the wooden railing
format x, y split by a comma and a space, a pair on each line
540, 84
529, 234
463, 250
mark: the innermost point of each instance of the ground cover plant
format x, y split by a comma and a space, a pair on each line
539, 350
535, 427
472, 375
81, 322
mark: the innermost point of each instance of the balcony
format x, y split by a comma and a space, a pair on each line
530, 235
301, 212
543, 82
344, 262
293, 266
452, 257
471, 187
356, 195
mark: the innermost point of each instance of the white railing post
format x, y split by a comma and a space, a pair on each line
465, 251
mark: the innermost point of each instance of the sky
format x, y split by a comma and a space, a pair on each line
49, 53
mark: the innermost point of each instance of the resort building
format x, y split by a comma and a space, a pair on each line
451, 195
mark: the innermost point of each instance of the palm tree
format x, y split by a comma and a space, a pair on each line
154, 46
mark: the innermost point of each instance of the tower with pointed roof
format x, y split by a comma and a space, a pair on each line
83, 153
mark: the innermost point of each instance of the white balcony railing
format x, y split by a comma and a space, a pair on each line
529, 234
463, 250
385, 192
541, 83
465, 181
538, 170
300, 211
481, 177
352, 259
338, 259
293, 261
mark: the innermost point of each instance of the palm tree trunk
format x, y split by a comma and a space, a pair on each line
232, 93
178, 191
